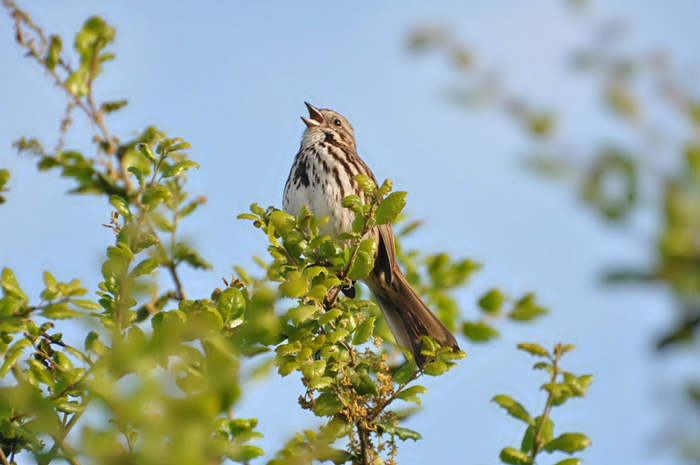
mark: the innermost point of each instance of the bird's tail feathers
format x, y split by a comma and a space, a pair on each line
409, 318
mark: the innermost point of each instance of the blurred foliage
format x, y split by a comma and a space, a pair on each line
158, 372
654, 167
4, 177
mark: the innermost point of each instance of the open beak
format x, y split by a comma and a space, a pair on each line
315, 117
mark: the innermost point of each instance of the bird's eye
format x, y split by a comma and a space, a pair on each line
337, 122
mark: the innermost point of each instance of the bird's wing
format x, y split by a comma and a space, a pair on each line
385, 260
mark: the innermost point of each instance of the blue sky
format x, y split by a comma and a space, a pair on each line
231, 78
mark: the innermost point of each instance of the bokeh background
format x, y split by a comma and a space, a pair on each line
231, 78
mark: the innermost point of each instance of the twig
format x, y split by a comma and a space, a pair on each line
3, 458
536, 440
173, 267
380, 408
60, 438
178, 285
89, 108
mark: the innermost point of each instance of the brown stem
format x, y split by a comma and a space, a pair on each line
363, 435
178, 285
3, 459
537, 440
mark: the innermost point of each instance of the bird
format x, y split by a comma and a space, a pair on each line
322, 174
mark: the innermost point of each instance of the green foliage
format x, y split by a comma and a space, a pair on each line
561, 387
162, 369
321, 334
4, 177
645, 168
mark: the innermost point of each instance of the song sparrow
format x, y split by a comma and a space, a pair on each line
321, 176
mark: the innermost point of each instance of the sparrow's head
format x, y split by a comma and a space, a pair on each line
327, 126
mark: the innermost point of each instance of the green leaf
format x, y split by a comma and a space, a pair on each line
526, 309
4, 177
567, 348
387, 185
337, 335
320, 383
40, 372
492, 301
93, 344
435, 368
390, 207
570, 462
411, 394
478, 331
93, 36
145, 267
178, 168
283, 222
136, 172
54, 52
244, 453
543, 366
153, 196
514, 457
313, 370
301, 314
401, 433
569, 443
192, 258
317, 293
361, 266
405, 372
358, 226
161, 222
71, 407
329, 316
327, 404
295, 285
120, 252
86, 304
145, 149
111, 107
76, 83
364, 331
191, 206
560, 392
58, 311
10, 286
534, 349
120, 205
352, 202
176, 147
369, 246
366, 183
231, 303
12, 355
513, 408
585, 381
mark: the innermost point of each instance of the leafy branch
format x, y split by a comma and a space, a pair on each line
539, 435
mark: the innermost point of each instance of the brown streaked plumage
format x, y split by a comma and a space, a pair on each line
321, 175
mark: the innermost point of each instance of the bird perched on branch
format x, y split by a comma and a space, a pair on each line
322, 175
